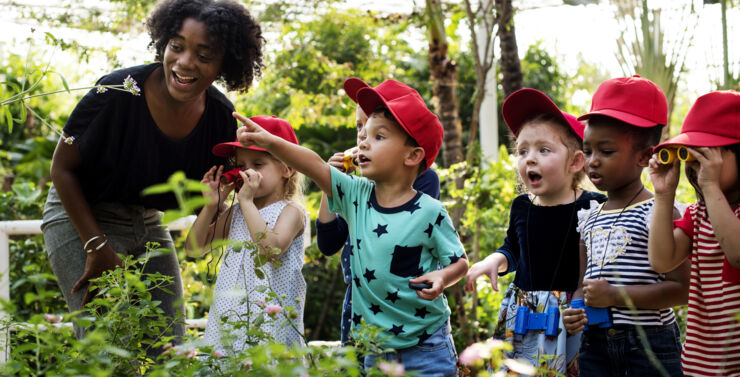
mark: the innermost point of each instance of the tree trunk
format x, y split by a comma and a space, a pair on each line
511, 67
443, 73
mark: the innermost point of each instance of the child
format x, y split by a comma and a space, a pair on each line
331, 229
708, 234
542, 242
626, 118
267, 206
400, 237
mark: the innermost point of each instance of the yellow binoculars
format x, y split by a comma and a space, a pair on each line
668, 154
347, 159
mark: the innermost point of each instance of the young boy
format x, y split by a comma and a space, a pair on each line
331, 229
625, 122
400, 236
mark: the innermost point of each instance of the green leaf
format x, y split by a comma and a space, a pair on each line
64, 81
157, 189
170, 216
260, 288
259, 273
9, 119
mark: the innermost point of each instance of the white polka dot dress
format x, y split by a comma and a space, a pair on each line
236, 296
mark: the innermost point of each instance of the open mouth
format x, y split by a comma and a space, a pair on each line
595, 178
182, 79
362, 159
534, 178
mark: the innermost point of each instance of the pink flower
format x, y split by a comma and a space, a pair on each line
273, 310
52, 318
392, 369
261, 303
520, 366
218, 354
477, 352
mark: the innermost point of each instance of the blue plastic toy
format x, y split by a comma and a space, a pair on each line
537, 321
596, 316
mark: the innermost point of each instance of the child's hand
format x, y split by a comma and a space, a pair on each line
251, 134
252, 180
708, 165
574, 320
598, 293
664, 177
437, 282
489, 267
217, 193
337, 161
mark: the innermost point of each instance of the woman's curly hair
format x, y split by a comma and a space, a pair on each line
230, 26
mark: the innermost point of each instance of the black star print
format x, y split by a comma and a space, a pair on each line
381, 230
424, 336
414, 207
358, 243
357, 281
356, 318
349, 248
339, 192
421, 312
369, 204
454, 258
429, 230
439, 219
375, 309
396, 330
355, 203
369, 275
392, 297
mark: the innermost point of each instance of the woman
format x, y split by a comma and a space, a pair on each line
115, 144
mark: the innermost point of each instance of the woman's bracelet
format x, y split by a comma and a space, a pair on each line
87, 244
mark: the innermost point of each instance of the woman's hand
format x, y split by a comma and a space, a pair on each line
216, 192
97, 262
664, 177
252, 180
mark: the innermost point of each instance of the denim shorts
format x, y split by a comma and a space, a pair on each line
436, 357
128, 229
617, 351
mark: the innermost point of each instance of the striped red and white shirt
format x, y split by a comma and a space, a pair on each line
712, 346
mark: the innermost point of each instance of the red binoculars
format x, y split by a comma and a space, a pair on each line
232, 176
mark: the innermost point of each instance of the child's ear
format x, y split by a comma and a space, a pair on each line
645, 155
577, 162
414, 157
288, 171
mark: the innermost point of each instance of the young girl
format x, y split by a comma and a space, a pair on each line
625, 122
541, 243
708, 234
267, 213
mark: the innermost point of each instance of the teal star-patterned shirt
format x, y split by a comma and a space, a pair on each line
390, 246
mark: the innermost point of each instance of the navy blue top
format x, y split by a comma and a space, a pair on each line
542, 244
332, 235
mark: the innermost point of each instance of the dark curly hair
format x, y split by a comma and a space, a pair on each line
231, 28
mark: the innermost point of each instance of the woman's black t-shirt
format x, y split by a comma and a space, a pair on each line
542, 243
123, 151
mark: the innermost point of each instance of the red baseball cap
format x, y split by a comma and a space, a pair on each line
527, 102
634, 100
409, 110
353, 85
272, 124
713, 121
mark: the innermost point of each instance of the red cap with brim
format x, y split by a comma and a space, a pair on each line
525, 103
633, 100
353, 85
409, 110
272, 124
713, 121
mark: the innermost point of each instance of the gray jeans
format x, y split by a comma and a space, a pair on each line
128, 229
